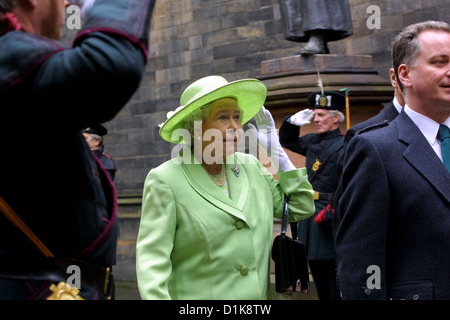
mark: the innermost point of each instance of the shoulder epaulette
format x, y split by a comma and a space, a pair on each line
106, 155
373, 127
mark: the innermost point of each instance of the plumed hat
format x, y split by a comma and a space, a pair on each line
329, 100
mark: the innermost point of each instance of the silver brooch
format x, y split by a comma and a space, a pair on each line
236, 170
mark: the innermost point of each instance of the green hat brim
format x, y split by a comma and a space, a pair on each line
250, 95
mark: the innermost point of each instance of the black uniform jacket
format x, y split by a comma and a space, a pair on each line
324, 148
48, 175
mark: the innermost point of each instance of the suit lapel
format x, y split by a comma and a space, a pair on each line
427, 163
203, 185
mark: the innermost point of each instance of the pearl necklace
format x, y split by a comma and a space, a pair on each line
221, 180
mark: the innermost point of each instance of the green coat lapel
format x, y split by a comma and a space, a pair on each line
238, 184
202, 184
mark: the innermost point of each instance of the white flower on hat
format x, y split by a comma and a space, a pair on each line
170, 115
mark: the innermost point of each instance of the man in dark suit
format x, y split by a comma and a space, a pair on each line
393, 238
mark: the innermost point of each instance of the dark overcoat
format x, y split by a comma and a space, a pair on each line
387, 114
393, 239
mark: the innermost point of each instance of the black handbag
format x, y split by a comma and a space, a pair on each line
291, 264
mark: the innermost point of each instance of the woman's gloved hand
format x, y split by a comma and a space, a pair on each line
267, 137
302, 117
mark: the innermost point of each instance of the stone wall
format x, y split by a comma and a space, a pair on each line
194, 38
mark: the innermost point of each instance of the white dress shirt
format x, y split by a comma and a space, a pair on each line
428, 127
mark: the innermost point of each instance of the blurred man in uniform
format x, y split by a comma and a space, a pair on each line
94, 138
58, 210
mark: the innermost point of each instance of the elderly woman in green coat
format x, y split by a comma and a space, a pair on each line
207, 214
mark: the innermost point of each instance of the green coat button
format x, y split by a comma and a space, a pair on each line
239, 224
244, 270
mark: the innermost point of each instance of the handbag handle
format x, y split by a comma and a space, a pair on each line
285, 215
19, 223
285, 218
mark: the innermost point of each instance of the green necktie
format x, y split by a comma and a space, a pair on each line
444, 136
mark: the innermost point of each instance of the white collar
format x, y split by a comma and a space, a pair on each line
427, 126
397, 105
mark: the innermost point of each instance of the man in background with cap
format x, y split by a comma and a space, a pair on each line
322, 150
94, 138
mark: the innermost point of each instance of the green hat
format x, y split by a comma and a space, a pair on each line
250, 95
